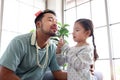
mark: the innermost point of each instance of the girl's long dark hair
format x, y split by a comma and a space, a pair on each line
88, 25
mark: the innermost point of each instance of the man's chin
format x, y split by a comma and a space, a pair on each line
53, 35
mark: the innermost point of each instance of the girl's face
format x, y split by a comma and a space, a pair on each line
79, 33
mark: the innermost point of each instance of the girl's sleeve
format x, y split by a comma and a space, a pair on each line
62, 58
83, 59
65, 48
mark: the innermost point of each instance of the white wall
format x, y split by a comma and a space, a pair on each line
56, 5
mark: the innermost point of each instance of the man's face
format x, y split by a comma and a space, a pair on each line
48, 24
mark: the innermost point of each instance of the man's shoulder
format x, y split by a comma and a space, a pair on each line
21, 39
23, 36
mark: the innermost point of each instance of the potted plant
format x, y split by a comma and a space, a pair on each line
64, 33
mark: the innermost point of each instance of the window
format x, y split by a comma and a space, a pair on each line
105, 17
18, 18
69, 3
83, 11
113, 10
98, 13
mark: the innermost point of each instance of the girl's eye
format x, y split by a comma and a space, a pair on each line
50, 19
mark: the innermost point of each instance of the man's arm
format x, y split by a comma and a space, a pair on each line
60, 75
6, 74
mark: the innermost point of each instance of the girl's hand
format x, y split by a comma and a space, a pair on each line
61, 42
92, 69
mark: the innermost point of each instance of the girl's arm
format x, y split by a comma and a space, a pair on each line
83, 59
62, 46
61, 49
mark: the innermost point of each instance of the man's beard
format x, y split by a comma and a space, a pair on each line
50, 33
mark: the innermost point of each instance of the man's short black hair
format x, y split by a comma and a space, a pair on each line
41, 15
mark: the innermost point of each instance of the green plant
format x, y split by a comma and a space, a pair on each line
62, 31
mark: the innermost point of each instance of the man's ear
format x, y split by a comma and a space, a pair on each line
38, 24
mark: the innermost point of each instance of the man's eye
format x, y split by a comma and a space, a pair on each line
77, 30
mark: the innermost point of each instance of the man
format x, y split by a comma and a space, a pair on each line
28, 56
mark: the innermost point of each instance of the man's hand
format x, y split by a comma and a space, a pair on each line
60, 75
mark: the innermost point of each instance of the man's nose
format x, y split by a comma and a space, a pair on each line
55, 25
55, 21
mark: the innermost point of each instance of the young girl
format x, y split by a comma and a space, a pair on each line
81, 56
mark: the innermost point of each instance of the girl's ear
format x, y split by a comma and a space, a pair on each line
88, 33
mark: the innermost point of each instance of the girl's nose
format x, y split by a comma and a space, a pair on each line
72, 33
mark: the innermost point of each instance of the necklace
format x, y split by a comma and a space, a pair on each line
46, 58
